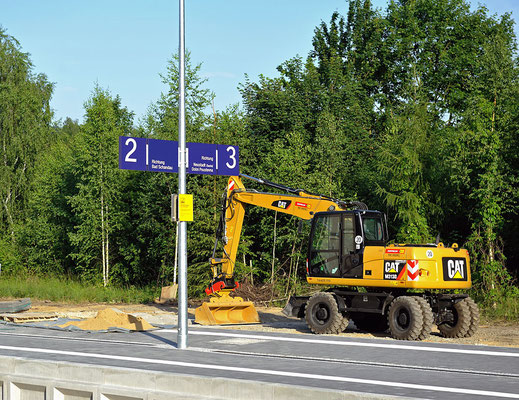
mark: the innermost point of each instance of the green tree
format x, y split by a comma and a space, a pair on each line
44, 237
402, 161
487, 171
97, 204
25, 118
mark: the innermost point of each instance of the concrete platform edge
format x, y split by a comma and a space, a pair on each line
58, 380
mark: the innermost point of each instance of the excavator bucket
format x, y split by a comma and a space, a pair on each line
230, 310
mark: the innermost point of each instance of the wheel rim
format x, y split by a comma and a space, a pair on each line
454, 320
403, 319
321, 313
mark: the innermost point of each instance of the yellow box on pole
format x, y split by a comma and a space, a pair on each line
185, 207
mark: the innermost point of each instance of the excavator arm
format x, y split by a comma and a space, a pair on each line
222, 307
297, 202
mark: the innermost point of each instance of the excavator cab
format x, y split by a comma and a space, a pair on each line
337, 242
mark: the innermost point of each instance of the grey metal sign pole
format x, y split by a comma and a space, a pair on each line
182, 229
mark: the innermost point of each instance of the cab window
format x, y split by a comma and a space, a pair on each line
326, 244
373, 230
348, 235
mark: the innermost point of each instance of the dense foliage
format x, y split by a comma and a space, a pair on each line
413, 110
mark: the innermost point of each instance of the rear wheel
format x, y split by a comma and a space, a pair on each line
405, 318
460, 322
344, 324
474, 316
370, 322
428, 318
322, 314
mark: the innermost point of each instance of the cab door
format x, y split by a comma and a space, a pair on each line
324, 253
351, 255
333, 250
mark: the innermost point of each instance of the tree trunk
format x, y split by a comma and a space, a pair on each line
291, 265
251, 274
8, 214
494, 110
107, 269
273, 258
274, 249
103, 250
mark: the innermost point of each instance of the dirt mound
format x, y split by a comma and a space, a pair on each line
111, 318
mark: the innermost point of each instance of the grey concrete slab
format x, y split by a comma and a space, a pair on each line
323, 362
409, 355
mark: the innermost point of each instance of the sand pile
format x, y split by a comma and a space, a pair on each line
111, 318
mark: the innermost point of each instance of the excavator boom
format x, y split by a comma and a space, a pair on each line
222, 308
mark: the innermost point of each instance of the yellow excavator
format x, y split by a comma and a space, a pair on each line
404, 287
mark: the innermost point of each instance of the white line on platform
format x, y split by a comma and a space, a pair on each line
266, 372
348, 343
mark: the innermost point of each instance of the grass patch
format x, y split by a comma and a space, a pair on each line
507, 309
499, 305
71, 291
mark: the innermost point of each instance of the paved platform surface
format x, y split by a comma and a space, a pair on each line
371, 366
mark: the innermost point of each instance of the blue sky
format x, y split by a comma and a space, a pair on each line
124, 44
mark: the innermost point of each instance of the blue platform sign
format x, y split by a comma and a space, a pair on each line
132, 153
156, 155
228, 160
201, 159
162, 156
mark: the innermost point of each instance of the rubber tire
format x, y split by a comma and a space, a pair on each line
462, 321
405, 318
428, 317
344, 324
474, 317
322, 315
369, 322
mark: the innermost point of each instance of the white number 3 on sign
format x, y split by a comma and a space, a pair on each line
232, 150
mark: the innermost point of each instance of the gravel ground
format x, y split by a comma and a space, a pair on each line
490, 333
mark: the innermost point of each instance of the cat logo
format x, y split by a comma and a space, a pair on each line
283, 204
394, 270
454, 269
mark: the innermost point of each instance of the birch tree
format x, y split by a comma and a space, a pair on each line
96, 205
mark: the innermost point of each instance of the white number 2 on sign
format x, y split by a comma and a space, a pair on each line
134, 143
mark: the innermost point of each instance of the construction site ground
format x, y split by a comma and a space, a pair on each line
491, 333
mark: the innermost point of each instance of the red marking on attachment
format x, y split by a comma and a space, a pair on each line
231, 184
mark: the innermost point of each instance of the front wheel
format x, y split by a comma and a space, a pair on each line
460, 323
405, 318
474, 317
322, 314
